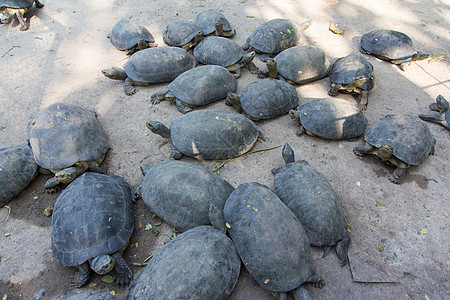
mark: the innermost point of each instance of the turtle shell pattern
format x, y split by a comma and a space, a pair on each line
180, 193
16, 3
388, 44
213, 134
201, 263
217, 50
92, 216
180, 32
207, 18
126, 34
203, 85
347, 68
268, 237
63, 134
332, 118
409, 137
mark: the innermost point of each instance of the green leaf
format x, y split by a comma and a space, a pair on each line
148, 226
108, 279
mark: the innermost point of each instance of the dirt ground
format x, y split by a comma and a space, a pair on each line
61, 56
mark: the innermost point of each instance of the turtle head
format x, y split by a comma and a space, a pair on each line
288, 154
441, 104
294, 114
158, 128
248, 57
114, 73
359, 81
234, 100
6, 17
197, 38
385, 152
67, 175
142, 44
272, 68
219, 28
102, 264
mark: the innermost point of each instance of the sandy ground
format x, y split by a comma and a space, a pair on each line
61, 56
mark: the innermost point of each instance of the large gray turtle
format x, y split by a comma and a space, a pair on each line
197, 87
274, 36
182, 33
17, 169
352, 74
314, 202
269, 238
208, 134
217, 50
201, 263
211, 21
299, 64
398, 140
129, 35
264, 99
184, 195
9, 8
392, 46
67, 140
442, 107
151, 66
92, 223
330, 118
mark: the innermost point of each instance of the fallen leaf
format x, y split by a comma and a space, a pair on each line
334, 29
378, 203
108, 279
266, 281
139, 224
423, 231
381, 249
228, 225
446, 214
113, 293
5, 296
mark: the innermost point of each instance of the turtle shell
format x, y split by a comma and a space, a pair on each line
180, 193
409, 137
201, 263
157, 65
331, 118
388, 44
260, 225
347, 68
16, 3
180, 32
275, 36
203, 85
17, 169
89, 296
217, 50
268, 98
207, 18
127, 33
91, 217
63, 134
213, 134
313, 201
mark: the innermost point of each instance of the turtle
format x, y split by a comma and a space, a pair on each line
310, 196
392, 46
17, 169
217, 50
209, 134
182, 33
298, 65
9, 8
92, 222
89, 296
67, 140
211, 21
201, 263
441, 106
274, 36
398, 140
129, 35
329, 118
151, 66
183, 194
352, 74
264, 99
278, 257
197, 87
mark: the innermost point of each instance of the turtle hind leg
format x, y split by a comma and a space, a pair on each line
123, 271
342, 249
439, 119
334, 90
326, 250
128, 86
316, 280
83, 275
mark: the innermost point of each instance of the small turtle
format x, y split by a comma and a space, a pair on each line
182, 33
197, 87
299, 64
330, 118
67, 140
314, 202
208, 134
398, 140
211, 21
151, 66
184, 195
274, 36
92, 223
352, 74
441, 106
17, 169
89, 296
392, 46
217, 50
201, 263
129, 35
9, 8
278, 257
264, 99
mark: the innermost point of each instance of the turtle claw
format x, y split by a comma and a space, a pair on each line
123, 278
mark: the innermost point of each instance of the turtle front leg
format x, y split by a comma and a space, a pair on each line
342, 249
300, 131
123, 271
175, 154
334, 89
83, 275
23, 25
363, 150
364, 100
38, 4
398, 174
128, 86
317, 280
253, 68
51, 186
158, 97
